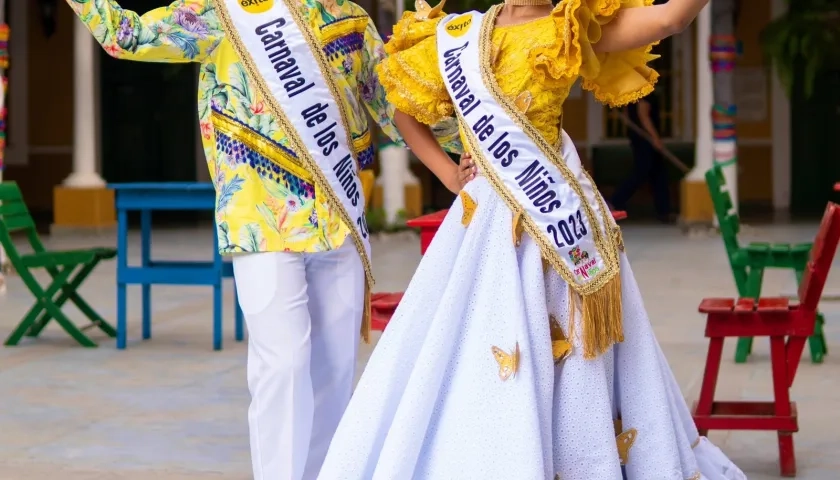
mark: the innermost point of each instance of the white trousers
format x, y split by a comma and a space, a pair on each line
303, 313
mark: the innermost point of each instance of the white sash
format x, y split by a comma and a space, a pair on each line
523, 168
286, 65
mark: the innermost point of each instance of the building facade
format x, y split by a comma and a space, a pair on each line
78, 118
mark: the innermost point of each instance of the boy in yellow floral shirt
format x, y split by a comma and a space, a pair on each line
301, 284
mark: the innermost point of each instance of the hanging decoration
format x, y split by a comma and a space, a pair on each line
4, 64
723, 54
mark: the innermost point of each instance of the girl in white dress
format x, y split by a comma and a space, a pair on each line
521, 349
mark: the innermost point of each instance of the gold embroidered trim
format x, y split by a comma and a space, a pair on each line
696, 476
343, 28
624, 441
432, 88
508, 362
260, 145
695, 443
601, 296
561, 348
361, 143
296, 142
469, 207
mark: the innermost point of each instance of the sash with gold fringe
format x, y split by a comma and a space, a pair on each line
286, 65
555, 202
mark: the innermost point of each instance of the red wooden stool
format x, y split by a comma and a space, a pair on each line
778, 319
383, 305
382, 308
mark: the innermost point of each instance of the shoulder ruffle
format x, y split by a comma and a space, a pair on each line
412, 28
410, 73
614, 78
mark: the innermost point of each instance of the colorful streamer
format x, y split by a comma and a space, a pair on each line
4, 46
723, 123
723, 126
723, 52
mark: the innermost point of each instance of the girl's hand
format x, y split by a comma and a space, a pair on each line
464, 173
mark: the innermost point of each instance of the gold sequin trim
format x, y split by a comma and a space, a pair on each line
508, 362
469, 208
260, 145
342, 28
296, 142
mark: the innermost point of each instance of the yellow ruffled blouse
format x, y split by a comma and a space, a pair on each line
536, 62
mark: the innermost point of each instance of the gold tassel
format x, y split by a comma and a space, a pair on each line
573, 297
601, 319
366, 315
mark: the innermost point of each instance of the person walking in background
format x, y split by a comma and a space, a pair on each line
648, 163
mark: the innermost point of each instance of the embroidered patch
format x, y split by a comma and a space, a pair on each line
508, 362
469, 208
576, 255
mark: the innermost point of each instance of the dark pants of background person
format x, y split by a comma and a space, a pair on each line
648, 165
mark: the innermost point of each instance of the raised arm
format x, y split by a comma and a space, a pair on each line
185, 31
637, 27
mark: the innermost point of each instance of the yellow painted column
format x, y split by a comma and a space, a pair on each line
695, 202
83, 201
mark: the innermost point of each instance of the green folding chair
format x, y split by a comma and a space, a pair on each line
749, 262
68, 269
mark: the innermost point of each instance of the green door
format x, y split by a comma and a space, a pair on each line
149, 123
815, 142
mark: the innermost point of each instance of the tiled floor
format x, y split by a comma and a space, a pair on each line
171, 408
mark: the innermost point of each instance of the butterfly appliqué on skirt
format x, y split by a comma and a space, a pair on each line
508, 362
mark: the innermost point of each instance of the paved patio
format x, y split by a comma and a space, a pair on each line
172, 409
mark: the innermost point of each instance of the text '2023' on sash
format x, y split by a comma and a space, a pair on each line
535, 183
286, 65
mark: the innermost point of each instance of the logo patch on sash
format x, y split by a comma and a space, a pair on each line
256, 6
459, 25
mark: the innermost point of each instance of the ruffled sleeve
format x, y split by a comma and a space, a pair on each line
615, 78
410, 73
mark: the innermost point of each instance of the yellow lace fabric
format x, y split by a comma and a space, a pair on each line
543, 57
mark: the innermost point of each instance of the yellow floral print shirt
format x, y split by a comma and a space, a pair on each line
264, 202
537, 62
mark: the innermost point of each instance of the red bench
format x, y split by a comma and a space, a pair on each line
788, 326
383, 305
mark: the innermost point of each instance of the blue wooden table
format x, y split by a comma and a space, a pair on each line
146, 198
